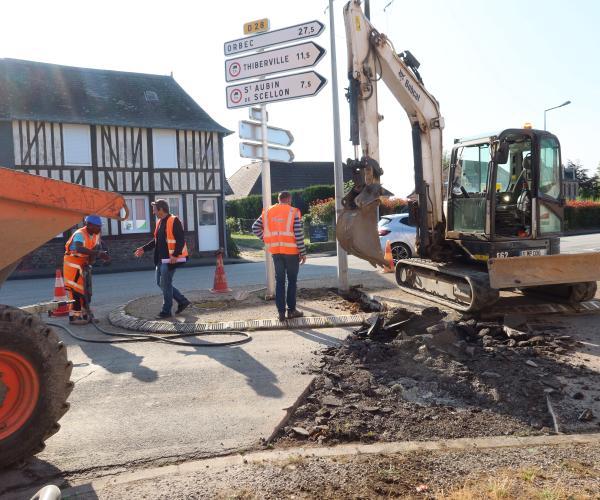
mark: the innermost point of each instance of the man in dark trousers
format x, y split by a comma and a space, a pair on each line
170, 251
280, 228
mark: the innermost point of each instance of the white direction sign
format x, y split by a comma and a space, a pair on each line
282, 88
283, 35
252, 131
303, 55
249, 150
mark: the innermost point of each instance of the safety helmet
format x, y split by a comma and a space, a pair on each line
93, 219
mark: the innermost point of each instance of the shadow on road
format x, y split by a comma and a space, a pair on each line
23, 481
118, 360
262, 380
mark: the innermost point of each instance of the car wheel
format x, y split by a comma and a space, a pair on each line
400, 251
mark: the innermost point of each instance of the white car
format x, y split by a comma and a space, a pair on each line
400, 233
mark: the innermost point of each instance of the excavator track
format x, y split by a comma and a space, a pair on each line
458, 286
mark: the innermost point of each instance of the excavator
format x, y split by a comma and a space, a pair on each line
492, 223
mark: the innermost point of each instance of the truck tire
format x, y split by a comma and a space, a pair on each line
34, 384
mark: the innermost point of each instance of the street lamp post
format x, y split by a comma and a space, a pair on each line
555, 107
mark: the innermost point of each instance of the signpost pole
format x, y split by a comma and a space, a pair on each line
342, 267
266, 194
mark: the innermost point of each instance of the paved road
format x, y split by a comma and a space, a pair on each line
579, 244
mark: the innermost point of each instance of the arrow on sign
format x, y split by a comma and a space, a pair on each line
275, 135
283, 35
282, 88
303, 55
250, 150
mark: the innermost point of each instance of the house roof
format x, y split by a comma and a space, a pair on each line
48, 92
284, 176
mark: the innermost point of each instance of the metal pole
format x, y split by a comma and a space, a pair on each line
266, 195
545, 119
342, 256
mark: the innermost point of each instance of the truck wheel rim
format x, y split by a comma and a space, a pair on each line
19, 392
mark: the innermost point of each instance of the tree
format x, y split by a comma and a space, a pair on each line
589, 187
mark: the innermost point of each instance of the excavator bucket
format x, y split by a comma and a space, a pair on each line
357, 233
522, 272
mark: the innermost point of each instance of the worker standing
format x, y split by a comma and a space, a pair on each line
280, 228
81, 250
170, 251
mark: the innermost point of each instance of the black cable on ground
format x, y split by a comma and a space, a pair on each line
168, 339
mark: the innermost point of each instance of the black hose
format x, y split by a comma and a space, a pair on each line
168, 339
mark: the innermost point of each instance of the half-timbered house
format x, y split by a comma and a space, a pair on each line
138, 134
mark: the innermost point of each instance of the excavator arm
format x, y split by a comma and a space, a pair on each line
371, 58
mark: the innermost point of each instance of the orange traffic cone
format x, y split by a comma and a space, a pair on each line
60, 295
220, 283
388, 258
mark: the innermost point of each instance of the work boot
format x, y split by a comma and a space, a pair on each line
295, 314
78, 321
182, 307
281, 317
163, 315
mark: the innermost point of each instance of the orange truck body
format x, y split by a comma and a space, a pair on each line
34, 209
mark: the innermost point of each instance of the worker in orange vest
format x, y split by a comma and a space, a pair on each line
81, 251
280, 228
170, 251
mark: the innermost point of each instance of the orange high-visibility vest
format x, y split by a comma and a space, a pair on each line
171, 241
278, 227
73, 260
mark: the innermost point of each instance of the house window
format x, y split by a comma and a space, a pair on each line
138, 220
164, 148
77, 147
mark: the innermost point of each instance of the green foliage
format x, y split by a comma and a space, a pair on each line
326, 246
232, 248
582, 215
232, 224
251, 206
322, 211
392, 206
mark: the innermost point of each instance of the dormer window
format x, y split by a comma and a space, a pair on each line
151, 96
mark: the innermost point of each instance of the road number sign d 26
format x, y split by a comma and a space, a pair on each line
259, 26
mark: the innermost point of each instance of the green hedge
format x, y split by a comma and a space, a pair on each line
582, 217
251, 206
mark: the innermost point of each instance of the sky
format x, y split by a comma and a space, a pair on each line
491, 65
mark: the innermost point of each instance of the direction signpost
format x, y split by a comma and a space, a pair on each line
275, 135
281, 88
276, 37
253, 150
256, 94
303, 55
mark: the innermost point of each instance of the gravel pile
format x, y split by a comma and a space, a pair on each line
421, 376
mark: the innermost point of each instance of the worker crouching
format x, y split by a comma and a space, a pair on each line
81, 251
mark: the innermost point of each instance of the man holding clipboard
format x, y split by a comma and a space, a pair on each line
170, 251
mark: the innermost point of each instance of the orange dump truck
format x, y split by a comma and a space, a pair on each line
34, 369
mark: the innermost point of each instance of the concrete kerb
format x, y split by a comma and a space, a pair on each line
120, 318
273, 456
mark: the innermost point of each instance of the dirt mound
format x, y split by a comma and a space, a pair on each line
420, 376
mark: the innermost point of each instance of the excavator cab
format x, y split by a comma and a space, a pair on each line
504, 195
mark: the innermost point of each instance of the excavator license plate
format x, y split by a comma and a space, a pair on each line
526, 271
